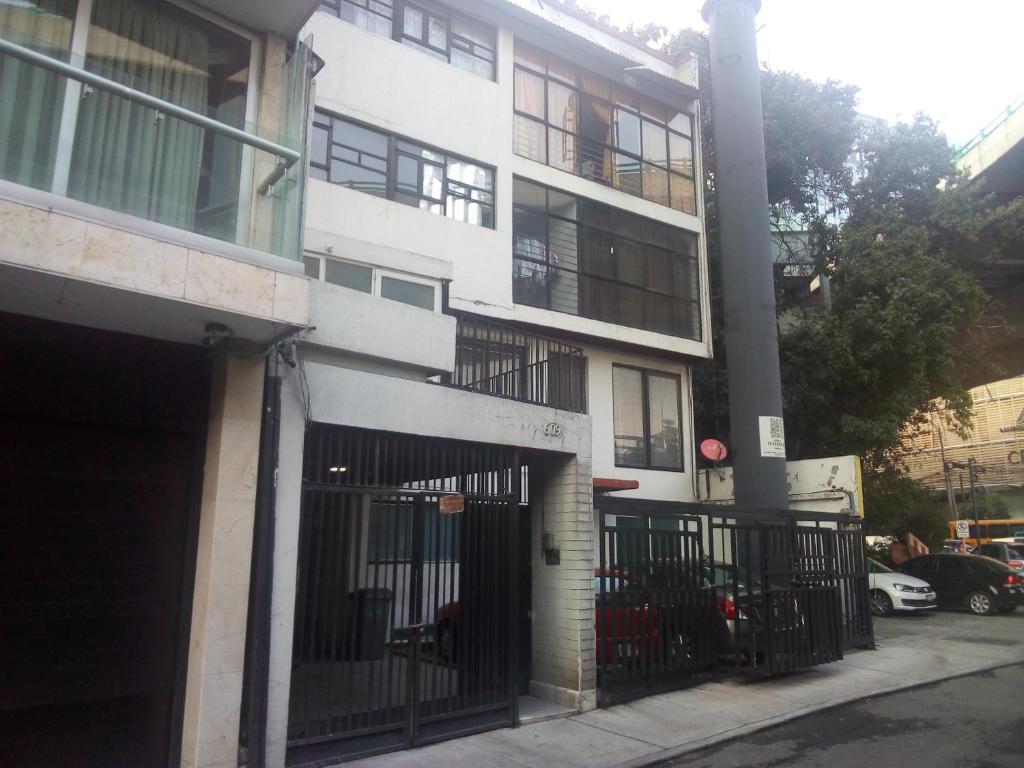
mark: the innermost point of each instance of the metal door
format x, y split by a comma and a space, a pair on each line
404, 618
656, 621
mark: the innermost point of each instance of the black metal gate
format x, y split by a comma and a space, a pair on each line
405, 609
655, 613
683, 589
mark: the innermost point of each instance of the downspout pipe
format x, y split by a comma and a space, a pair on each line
257, 636
751, 327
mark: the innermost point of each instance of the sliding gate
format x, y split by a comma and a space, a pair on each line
685, 590
406, 594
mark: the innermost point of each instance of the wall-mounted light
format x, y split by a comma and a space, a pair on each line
338, 469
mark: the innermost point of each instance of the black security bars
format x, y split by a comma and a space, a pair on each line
499, 360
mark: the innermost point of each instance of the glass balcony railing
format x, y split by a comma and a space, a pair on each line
153, 112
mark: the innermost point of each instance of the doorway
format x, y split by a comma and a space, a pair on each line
407, 600
102, 437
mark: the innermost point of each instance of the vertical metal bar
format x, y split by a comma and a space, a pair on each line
302, 604
357, 550
514, 566
392, 536
314, 618
602, 571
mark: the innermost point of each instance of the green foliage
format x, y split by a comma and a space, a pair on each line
809, 129
899, 243
895, 505
991, 506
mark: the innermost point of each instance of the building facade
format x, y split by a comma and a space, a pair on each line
313, 379
508, 289
995, 441
151, 195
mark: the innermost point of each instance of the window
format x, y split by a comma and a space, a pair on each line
407, 292
646, 408
951, 566
918, 566
576, 256
378, 163
430, 27
354, 276
112, 152
583, 124
407, 289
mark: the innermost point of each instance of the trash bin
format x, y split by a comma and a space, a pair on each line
370, 610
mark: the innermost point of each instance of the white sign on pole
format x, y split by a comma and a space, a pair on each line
773, 437
963, 530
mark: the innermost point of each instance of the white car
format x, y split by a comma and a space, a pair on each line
892, 591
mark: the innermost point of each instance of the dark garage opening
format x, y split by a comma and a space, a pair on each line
101, 448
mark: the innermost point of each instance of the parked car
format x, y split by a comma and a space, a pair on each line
741, 602
956, 545
1012, 555
979, 583
892, 591
624, 627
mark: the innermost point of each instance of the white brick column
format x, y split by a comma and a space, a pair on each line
563, 663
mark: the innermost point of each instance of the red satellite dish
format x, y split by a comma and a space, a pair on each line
713, 450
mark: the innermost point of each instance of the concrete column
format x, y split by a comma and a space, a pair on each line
564, 668
220, 601
286, 549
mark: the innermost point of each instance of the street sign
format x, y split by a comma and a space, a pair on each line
452, 504
963, 530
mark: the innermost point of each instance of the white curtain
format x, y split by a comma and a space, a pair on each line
125, 157
31, 97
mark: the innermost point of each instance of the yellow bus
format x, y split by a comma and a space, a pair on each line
990, 529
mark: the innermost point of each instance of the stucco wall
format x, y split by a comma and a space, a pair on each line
654, 484
468, 115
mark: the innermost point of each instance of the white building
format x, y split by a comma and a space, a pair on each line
304, 468
509, 288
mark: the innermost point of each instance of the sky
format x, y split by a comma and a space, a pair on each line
960, 61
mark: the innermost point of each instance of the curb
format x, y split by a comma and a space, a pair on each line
726, 737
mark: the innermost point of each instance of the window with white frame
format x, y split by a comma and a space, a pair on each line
416, 291
646, 408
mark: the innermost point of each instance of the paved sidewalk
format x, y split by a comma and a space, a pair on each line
912, 650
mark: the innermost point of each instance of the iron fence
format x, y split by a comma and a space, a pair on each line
687, 589
406, 609
502, 361
655, 612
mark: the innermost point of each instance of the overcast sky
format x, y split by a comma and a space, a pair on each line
960, 61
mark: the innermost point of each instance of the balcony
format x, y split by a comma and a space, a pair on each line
502, 361
151, 113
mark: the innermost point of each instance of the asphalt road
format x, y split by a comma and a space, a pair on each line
970, 722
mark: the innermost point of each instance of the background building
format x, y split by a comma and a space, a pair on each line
996, 440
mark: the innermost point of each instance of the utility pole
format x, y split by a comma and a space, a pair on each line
946, 476
973, 470
748, 295
972, 473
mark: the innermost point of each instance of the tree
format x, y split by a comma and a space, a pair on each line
895, 505
898, 243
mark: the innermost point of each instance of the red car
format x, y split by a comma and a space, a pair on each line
624, 629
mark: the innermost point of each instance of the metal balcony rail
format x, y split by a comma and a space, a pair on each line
502, 361
286, 157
